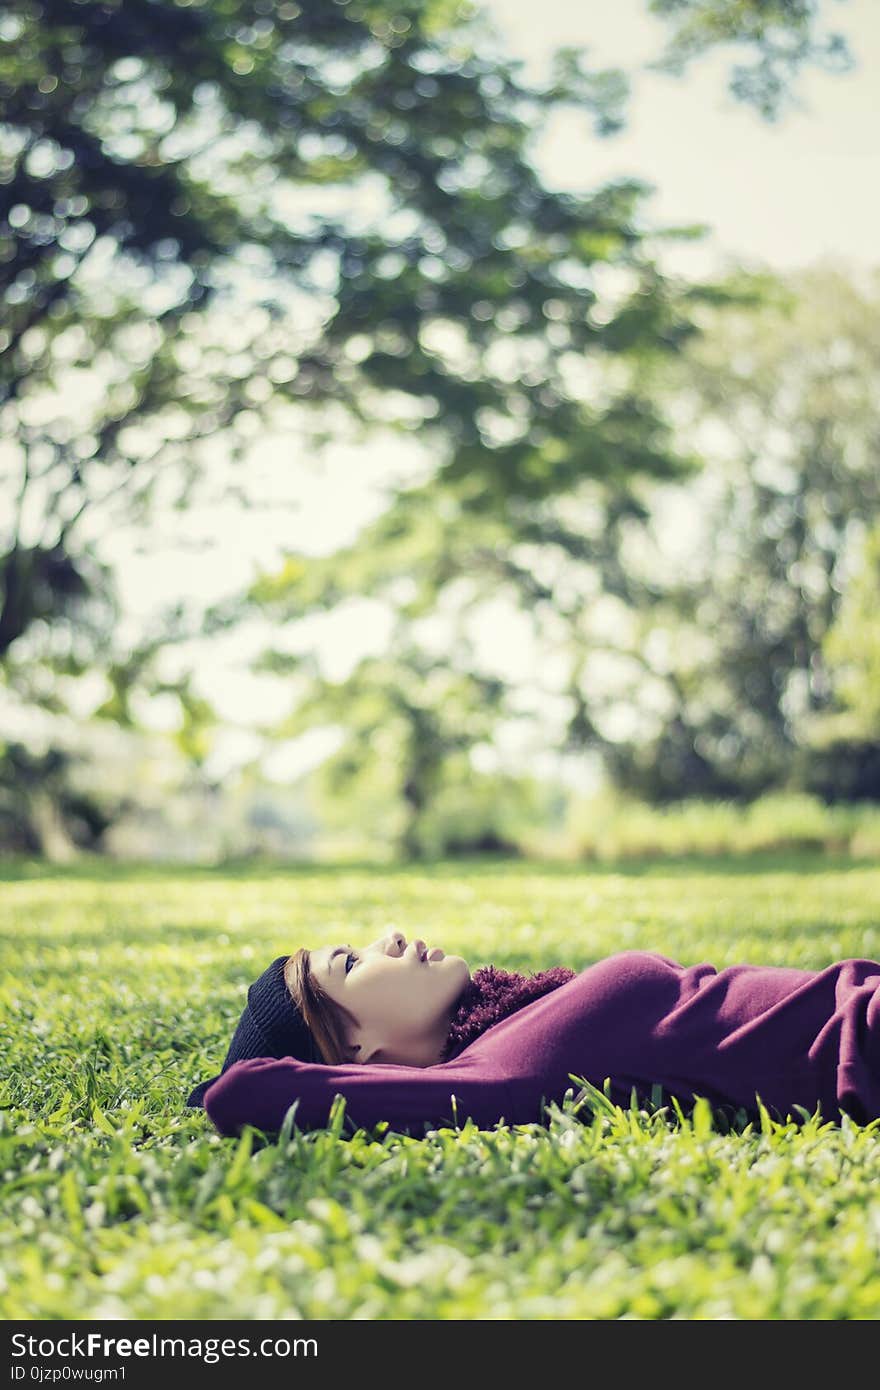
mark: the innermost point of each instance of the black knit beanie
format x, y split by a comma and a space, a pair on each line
271, 1025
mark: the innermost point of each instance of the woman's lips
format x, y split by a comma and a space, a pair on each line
420, 950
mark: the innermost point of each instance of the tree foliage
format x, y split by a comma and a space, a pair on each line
721, 628
777, 38
41, 811
852, 645
784, 400
405, 717
217, 216
154, 159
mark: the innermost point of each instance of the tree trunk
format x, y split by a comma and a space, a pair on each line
56, 846
414, 799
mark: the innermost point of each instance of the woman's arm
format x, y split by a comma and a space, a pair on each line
260, 1091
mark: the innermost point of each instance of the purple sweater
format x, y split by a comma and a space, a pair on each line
794, 1037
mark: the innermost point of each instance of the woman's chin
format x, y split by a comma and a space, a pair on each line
461, 966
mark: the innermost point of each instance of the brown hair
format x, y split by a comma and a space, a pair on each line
325, 1019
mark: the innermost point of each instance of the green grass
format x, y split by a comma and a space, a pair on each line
120, 988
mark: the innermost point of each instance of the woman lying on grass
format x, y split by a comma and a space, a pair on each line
409, 1036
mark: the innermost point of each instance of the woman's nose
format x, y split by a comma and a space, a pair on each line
394, 944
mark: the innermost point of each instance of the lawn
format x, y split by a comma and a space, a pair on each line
121, 986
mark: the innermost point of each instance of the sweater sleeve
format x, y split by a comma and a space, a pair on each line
261, 1090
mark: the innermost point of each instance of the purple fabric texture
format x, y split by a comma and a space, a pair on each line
792, 1037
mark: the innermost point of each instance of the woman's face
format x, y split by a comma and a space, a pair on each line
401, 995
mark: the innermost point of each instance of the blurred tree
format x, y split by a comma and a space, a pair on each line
736, 647
156, 163
842, 760
405, 717
45, 794
41, 812
711, 626
780, 36
852, 645
351, 182
549, 539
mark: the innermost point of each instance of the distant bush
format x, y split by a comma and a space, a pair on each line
844, 769
489, 814
610, 826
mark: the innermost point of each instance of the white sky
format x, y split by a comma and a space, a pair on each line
783, 195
